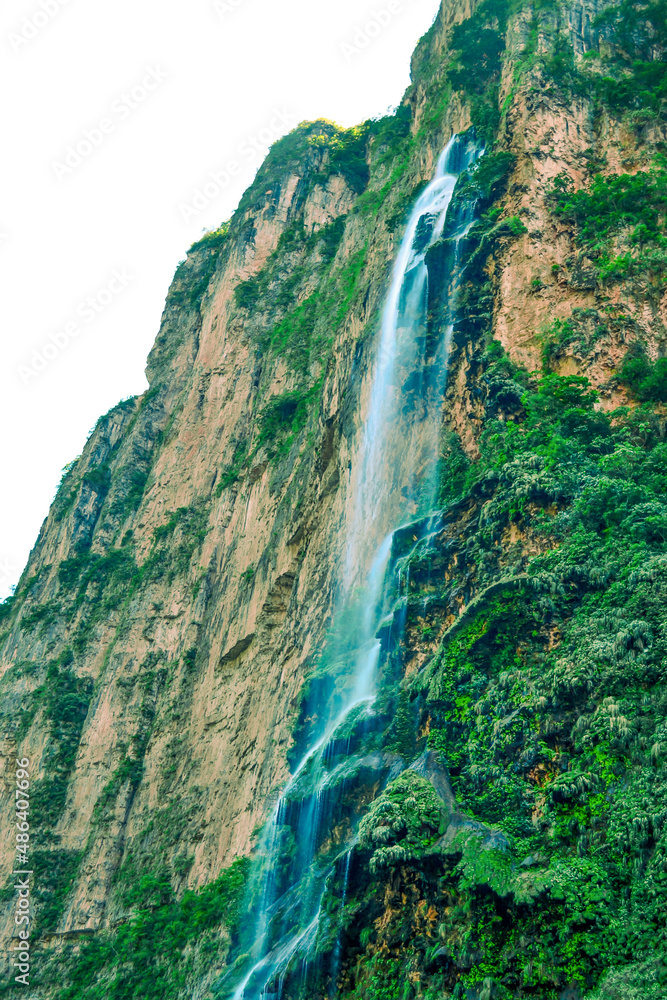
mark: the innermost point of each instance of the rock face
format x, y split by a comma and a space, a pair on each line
181, 590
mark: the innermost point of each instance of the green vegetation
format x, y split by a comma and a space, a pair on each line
7, 607
213, 240
64, 699
347, 285
402, 822
129, 481
452, 470
631, 208
546, 699
135, 479
579, 333
232, 472
207, 250
304, 334
43, 615
293, 336
372, 200
635, 202
99, 479
131, 769
198, 289
549, 705
93, 586
391, 130
156, 954
89, 568
487, 182
175, 543
271, 287
283, 417
67, 492
54, 873
348, 152
627, 73
646, 380
478, 44
639, 56
628, 77
320, 143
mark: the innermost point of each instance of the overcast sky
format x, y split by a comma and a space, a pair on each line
115, 115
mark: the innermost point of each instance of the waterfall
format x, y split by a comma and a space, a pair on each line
394, 480
338, 947
396, 472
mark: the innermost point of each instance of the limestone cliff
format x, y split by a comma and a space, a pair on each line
181, 591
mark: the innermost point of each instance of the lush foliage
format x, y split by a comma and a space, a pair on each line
283, 417
478, 44
344, 154
214, 239
402, 822
348, 156
547, 702
637, 65
63, 699
637, 202
155, 953
626, 213
647, 380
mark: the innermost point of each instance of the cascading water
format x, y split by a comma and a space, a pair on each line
394, 480
396, 469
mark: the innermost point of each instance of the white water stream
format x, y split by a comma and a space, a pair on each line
394, 474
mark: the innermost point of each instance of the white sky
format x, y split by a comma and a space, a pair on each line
219, 73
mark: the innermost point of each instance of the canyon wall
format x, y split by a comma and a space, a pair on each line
180, 593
